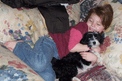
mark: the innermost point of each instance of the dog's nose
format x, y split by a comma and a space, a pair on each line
94, 43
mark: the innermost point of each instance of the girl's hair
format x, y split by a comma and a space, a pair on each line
105, 12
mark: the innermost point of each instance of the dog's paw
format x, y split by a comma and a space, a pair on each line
75, 79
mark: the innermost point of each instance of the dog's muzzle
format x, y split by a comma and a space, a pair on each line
94, 43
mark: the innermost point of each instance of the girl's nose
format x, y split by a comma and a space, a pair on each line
93, 24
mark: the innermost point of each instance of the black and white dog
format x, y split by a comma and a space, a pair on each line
67, 67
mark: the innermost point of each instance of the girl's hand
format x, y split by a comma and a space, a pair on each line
85, 48
88, 56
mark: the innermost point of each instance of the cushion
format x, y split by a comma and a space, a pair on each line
86, 5
74, 13
21, 24
112, 48
13, 69
78, 12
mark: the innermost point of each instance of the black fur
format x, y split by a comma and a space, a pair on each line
67, 67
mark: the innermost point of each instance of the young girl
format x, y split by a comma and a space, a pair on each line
39, 58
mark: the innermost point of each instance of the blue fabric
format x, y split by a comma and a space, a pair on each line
39, 58
120, 1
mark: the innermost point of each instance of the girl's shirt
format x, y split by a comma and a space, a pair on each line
66, 41
75, 37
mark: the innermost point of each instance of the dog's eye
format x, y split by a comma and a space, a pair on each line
95, 37
89, 38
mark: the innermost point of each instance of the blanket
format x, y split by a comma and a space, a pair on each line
94, 71
98, 73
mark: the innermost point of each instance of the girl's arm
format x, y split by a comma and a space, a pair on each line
79, 48
74, 41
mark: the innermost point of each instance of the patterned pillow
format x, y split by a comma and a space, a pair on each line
21, 24
74, 13
86, 6
112, 48
13, 69
78, 12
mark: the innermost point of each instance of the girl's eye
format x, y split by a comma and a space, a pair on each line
98, 24
90, 20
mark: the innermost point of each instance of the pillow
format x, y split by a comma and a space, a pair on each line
13, 69
74, 13
112, 48
86, 5
78, 12
21, 24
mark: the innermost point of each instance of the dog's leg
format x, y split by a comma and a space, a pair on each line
65, 79
53, 60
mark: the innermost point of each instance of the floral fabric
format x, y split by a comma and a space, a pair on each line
13, 69
86, 6
78, 12
111, 49
21, 24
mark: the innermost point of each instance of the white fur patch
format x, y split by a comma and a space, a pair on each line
75, 79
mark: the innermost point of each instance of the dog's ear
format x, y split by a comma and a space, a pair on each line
84, 39
101, 38
53, 60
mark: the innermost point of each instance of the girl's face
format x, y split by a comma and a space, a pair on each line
95, 23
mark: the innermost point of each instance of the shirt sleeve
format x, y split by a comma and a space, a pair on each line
75, 37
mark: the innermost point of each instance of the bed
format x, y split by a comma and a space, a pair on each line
29, 24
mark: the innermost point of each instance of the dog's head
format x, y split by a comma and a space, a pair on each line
92, 39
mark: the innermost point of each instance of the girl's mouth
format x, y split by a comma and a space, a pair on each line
91, 29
